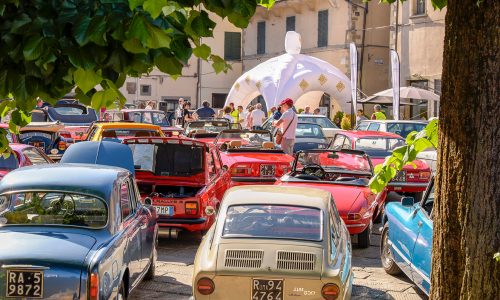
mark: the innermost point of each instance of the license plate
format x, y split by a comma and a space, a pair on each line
40, 145
267, 170
24, 284
265, 289
165, 210
400, 177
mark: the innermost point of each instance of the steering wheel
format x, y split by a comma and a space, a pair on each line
314, 169
249, 222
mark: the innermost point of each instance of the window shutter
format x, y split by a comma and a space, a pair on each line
290, 23
261, 37
323, 28
232, 46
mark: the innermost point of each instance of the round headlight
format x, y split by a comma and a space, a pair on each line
205, 286
54, 151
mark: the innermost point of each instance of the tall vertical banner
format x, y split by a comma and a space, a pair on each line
395, 84
354, 76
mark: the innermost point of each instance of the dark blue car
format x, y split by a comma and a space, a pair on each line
75, 231
406, 244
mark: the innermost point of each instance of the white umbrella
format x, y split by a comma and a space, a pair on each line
410, 92
381, 100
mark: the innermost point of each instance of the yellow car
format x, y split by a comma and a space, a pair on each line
275, 243
121, 130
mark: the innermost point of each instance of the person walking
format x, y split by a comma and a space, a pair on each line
378, 114
360, 116
288, 126
179, 111
258, 117
205, 112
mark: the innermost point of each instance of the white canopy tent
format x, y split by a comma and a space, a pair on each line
300, 77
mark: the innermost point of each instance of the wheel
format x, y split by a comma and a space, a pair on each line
150, 274
122, 293
364, 237
386, 257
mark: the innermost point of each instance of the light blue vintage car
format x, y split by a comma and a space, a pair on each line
75, 231
406, 243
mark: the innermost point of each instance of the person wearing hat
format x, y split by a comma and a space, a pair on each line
288, 125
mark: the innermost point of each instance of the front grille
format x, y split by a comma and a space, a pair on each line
244, 258
302, 261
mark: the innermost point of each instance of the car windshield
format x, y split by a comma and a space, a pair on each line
305, 130
52, 208
321, 121
215, 126
333, 161
69, 110
378, 147
156, 118
273, 222
9, 163
403, 129
168, 159
245, 140
121, 134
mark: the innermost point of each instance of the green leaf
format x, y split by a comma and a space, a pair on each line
133, 45
202, 25
80, 30
6, 106
33, 48
266, 3
86, 79
158, 38
440, 3
170, 8
219, 64
202, 51
168, 64
154, 7
20, 118
134, 3
103, 99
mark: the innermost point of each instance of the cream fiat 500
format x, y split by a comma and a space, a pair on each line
275, 243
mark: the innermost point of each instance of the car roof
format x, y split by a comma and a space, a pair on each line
127, 125
96, 180
396, 121
367, 133
277, 195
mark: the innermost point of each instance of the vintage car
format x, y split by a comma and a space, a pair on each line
411, 180
181, 178
22, 155
345, 174
399, 127
406, 243
207, 130
148, 116
117, 131
310, 136
47, 137
74, 231
275, 243
329, 128
75, 117
252, 157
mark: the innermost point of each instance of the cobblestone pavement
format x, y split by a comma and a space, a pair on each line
175, 266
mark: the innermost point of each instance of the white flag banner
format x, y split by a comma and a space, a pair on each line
354, 76
395, 84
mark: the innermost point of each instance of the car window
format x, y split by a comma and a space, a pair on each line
321, 121
69, 110
35, 157
125, 201
378, 146
212, 170
429, 202
347, 144
362, 126
374, 127
218, 164
159, 119
403, 129
338, 142
309, 131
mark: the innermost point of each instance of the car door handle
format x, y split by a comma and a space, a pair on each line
419, 223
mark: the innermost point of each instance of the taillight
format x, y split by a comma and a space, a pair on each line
191, 208
241, 170
330, 291
353, 216
425, 175
61, 146
205, 286
94, 286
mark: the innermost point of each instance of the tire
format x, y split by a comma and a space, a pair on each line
122, 293
364, 238
150, 274
386, 257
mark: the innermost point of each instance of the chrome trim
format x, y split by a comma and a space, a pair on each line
355, 225
410, 184
24, 267
411, 265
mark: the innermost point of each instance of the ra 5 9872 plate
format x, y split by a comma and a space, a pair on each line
24, 284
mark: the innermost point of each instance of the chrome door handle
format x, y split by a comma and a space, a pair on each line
419, 223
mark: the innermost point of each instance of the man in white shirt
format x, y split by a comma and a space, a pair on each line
257, 117
288, 125
179, 111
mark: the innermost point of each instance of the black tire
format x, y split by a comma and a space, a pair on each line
386, 257
364, 238
122, 293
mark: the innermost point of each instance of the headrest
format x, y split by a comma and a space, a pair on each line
234, 144
267, 145
109, 134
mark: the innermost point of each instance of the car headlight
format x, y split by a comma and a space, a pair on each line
321, 146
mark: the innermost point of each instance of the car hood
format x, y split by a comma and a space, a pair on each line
421, 165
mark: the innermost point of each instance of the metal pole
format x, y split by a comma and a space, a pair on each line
396, 27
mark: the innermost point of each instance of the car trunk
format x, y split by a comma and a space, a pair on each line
58, 254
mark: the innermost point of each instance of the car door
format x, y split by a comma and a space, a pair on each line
148, 235
131, 226
421, 257
215, 184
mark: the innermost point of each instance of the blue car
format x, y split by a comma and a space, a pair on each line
75, 231
406, 244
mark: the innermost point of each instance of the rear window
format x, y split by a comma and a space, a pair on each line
9, 163
52, 208
403, 129
309, 131
124, 133
273, 222
68, 110
321, 121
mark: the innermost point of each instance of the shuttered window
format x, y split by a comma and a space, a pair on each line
232, 46
420, 7
323, 28
261, 37
290, 23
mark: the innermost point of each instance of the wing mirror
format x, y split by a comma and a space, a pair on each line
225, 167
407, 201
209, 211
148, 201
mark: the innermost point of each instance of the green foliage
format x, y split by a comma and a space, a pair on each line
437, 4
338, 115
497, 257
345, 123
49, 48
415, 142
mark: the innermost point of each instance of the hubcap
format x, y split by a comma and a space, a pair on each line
386, 251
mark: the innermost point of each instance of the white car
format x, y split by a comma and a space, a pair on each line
329, 129
399, 127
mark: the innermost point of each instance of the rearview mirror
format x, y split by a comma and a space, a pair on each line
225, 167
407, 201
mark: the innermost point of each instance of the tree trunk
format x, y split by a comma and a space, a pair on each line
467, 208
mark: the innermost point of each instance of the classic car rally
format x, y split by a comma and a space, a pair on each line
302, 163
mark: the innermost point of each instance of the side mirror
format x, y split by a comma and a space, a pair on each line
407, 201
209, 211
148, 201
225, 167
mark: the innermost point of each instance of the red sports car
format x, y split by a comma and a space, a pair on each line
378, 145
182, 178
345, 174
252, 156
22, 155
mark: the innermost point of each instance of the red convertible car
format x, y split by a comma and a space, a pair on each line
183, 179
378, 145
252, 156
21, 156
345, 174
